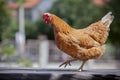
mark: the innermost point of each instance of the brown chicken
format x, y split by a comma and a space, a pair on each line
80, 44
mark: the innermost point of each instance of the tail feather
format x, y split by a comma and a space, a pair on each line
107, 19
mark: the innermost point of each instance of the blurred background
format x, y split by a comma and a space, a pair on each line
26, 41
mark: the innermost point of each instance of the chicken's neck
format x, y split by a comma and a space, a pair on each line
60, 26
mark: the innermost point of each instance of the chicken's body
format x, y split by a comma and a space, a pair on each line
81, 44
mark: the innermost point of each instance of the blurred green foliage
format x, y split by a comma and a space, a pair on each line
10, 31
24, 62
20, 2
4, 17
7, 51
8, 55
44, 29
77, 13
31, 31
114, 36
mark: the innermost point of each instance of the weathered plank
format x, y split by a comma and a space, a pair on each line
58, 74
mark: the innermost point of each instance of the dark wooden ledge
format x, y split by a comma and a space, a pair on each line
58, 74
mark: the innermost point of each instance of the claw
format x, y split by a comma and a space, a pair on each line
80, 70
65, 63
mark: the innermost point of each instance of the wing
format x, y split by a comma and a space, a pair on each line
84, 40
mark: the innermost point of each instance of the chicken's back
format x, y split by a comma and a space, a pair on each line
98, 32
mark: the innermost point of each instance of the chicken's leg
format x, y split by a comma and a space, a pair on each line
81, 67
68, 62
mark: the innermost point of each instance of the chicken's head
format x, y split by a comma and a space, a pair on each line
47, 18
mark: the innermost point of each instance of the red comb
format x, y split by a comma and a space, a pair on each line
46, 16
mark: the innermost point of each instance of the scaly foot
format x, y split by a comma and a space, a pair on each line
81, 67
